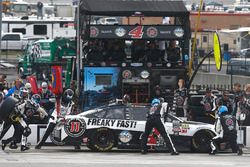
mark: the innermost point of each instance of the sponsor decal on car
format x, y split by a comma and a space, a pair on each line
75, 127
111, 123
185, 126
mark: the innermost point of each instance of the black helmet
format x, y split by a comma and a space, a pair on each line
68, 94
35, 99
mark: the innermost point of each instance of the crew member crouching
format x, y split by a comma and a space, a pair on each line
226, 126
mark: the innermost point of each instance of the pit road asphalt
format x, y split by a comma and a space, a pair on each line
51, 156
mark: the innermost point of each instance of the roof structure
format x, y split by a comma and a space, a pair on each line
133, 7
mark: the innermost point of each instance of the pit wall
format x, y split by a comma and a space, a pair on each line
38, 131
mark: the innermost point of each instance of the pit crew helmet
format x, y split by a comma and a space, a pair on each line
44, 87
23, 92
27, 85
155, 102
35, 99
68, 94
223, 109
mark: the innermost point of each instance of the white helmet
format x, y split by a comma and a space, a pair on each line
23, 92
44, 85
27, 85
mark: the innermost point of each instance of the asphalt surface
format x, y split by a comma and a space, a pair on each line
67, 156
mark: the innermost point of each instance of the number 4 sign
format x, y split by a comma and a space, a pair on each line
136, 33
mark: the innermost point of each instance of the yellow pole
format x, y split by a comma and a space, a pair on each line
194, 42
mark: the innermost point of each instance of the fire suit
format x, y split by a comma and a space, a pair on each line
180, 102
226, 126
154, 121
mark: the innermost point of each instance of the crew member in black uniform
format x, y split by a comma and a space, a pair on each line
237, 92
226, 126
226, 101
67, 102
173, 53
18, 129
154, 121
180, 99
208, 102
244, 107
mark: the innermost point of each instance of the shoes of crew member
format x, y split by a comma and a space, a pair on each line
240, 152
143, 152
77, 147
38, 147
212, 152
3, 145
23, 148
175, 153
13, 146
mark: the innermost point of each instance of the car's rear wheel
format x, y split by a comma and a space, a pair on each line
101, 140
56, 138
201, 141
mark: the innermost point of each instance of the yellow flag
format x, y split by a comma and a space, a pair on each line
217, 52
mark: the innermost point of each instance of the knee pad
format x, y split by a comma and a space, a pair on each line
26, 131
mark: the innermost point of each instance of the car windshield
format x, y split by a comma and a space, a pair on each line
171, 118
121, 112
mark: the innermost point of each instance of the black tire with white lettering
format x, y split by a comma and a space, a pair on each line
7, 107
101, 139
200, 141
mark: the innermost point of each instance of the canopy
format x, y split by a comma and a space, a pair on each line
239, 30
132, 7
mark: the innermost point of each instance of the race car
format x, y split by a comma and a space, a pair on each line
122, 126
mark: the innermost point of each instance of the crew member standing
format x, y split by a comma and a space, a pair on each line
226, 126
237, 92
208, 102
243, 109
226, 101
180, 99
154, 121
66, 107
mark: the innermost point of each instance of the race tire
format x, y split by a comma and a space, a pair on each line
91, 146
55, 138
101, 140
201, 141
6, 107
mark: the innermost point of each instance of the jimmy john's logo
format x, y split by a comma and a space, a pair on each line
75, 127
112, 123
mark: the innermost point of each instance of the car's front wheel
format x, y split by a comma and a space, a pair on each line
101, 140
201, 141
